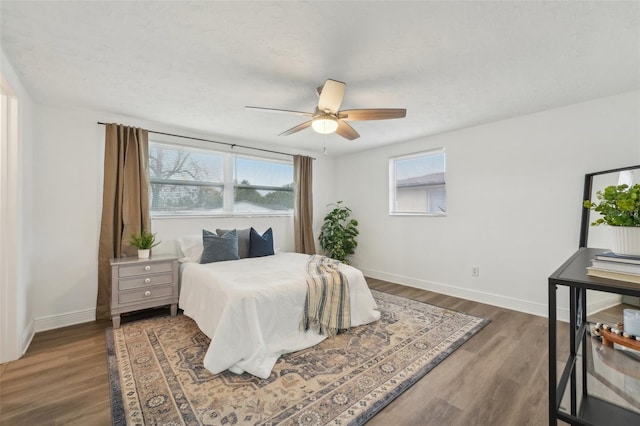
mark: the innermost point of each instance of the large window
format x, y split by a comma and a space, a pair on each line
417, 184
192, 181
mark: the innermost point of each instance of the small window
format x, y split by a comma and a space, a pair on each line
417, 184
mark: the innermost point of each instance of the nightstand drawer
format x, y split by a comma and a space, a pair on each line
145, 281
149, 268
145, 294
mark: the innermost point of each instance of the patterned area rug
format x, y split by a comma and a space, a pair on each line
157, 377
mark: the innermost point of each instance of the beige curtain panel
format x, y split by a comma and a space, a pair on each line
125, 202
303, 209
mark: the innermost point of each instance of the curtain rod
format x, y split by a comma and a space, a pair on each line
232, 145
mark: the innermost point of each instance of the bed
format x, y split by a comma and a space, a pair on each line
251, 309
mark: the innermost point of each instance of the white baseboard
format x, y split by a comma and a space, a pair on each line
611, 300
512, 303
63, 320
27, 336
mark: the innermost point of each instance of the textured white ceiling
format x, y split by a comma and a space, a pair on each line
195, 65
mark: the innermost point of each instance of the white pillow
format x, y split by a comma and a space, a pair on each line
191, 248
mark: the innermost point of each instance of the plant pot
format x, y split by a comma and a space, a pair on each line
626, 240
143, 253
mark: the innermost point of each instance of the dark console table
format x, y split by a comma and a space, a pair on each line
584, 409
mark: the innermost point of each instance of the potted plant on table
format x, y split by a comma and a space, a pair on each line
619, 206
144, 241
338, 233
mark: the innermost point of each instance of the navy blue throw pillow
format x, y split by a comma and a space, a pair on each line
219, 248
260, 245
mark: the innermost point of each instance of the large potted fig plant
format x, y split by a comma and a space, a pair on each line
619, 206
338, 233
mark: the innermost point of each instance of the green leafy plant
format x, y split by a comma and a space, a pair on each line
143, 240
619, 205
338, 233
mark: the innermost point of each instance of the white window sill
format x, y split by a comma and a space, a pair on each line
213, 215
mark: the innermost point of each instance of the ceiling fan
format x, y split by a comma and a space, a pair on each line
328, 118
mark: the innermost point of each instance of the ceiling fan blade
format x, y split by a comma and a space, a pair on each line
346, 131
331, 96
372, 114
285, 111
296, 128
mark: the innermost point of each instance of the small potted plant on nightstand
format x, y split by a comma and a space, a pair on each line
619, 206
144, 241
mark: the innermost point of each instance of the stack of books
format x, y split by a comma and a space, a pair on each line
615, 267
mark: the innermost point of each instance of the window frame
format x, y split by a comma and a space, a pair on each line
227, 186
393, 210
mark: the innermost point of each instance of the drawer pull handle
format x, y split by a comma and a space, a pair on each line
147, 280
147, 268
147, 293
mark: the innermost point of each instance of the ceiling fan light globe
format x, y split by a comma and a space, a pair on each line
325, 125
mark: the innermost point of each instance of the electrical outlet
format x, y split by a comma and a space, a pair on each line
475, 271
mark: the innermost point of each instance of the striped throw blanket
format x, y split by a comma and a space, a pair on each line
327, 309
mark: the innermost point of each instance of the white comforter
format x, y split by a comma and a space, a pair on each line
251, 309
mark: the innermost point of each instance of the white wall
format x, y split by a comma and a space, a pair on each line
68, 164
67, 200
17, 280
514, 192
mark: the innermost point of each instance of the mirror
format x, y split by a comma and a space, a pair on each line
599, 236
608, 367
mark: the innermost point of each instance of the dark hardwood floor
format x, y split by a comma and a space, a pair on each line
499, 377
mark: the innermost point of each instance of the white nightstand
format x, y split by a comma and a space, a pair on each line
143, 283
